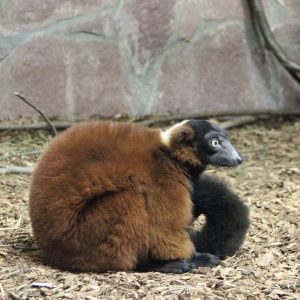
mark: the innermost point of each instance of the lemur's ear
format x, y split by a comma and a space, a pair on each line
178, 134
185, 134
182, 146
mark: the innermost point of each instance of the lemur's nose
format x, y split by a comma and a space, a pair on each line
240, 159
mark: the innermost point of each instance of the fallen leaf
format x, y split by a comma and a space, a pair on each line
265, 259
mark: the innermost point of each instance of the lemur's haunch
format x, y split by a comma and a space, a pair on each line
117, 197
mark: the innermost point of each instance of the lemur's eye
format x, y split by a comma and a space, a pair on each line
215, 143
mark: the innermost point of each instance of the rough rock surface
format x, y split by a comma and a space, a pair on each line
106, 57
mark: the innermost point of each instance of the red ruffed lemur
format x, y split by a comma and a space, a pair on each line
111, 196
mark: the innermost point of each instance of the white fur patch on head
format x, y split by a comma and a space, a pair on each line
166, 135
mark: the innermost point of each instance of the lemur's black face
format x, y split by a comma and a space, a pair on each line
213, 146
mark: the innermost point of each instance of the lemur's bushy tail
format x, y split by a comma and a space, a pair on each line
227, 217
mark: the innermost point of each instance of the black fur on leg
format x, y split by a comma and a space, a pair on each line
177, 266
180, 266
227, 217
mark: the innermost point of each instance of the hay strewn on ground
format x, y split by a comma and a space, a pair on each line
267, 266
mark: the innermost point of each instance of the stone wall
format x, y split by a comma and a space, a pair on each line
105, 57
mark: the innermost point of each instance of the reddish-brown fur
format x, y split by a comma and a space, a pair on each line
109, 196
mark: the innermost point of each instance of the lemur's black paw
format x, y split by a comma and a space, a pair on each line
178, 266
205, 260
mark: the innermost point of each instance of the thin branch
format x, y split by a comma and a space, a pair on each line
269, 38
260, 38
36, 126
180, 117
9, 228
15, 170
21, 154
48, 285
15, 246
39, 111
242, 121
261, 22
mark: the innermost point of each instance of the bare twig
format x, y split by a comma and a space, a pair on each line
43, 284
36, 126
262, 24
15, 169
9, 228
260, 38
242, 121
21, 154
15, 246
39, 111
177, 118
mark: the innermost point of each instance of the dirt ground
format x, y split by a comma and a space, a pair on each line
266, 267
